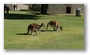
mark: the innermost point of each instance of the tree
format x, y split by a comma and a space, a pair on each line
44, 8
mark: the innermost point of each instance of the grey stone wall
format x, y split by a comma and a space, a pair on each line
57, 8
10, 6
22, 6
61, 8
19, 6
75, 6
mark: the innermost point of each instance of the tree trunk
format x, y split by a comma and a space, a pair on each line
44, 8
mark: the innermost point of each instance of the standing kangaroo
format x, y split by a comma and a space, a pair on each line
34, 27
53, 24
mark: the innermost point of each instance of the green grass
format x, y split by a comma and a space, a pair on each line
15, 23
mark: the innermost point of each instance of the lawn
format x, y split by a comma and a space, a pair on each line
71, 38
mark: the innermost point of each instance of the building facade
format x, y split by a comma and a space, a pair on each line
52, 8
18, 6
65, 8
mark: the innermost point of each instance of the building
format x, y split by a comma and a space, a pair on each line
18, 6
52, 8
64, 8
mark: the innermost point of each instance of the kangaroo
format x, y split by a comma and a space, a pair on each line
54, 24
34, 27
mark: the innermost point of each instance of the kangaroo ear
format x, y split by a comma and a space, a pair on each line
60, 26
42, 23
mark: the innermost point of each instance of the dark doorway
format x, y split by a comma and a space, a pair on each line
68, 9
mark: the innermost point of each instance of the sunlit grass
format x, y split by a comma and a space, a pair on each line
72, 36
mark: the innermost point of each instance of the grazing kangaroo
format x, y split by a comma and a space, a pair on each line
34, 27
53, 24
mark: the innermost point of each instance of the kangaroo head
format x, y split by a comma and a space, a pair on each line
43, 24
61, 28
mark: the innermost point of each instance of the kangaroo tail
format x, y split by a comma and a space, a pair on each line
28, 30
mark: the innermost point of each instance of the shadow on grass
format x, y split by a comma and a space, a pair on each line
70, 16
21, 17
26, 34
40, 31
47, 31
22, 34
39, 13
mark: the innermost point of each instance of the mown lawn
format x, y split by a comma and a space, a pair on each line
15, 25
